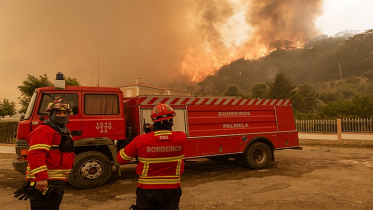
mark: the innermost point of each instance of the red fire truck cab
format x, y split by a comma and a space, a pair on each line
103, 121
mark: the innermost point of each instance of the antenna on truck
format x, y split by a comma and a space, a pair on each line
98, 71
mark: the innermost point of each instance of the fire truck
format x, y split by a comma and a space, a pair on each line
103, 121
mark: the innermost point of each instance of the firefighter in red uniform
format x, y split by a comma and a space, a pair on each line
50, 159
160, 162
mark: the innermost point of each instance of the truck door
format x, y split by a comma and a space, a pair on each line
75, 118
103, 116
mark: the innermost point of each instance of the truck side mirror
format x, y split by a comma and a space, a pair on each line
42, 117
74, 110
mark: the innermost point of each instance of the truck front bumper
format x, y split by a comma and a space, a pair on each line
20, 165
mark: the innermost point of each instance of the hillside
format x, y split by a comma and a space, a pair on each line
323, 59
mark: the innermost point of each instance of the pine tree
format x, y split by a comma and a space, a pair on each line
281, 87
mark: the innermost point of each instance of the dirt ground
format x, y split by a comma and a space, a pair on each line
316, 177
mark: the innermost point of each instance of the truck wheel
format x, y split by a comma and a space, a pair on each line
91, 169
258, 156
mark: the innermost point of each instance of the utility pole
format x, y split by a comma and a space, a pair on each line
340, 70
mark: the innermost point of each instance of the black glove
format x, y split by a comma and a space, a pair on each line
26, 191
52, 189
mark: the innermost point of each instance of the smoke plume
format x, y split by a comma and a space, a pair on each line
236, 29
284, 19
164, 42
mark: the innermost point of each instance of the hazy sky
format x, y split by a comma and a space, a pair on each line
340, 15
157, 40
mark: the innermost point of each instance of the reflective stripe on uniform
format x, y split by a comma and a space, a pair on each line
145, 170
147, 161
58, 171
160, 133
161, 160
160, 177
56, 147
57, 176
52, 173
124, 156
39, 169
159, 181
40, 146
178, 167
30, 176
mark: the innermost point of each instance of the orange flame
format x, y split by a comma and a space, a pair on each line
198, 66
250, 30
258, 48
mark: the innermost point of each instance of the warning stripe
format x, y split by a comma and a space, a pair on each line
152, 101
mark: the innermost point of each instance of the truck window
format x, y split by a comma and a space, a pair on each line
101, 104
72, 99
31, 106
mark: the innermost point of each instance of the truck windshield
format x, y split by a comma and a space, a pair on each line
70, 98
31, 106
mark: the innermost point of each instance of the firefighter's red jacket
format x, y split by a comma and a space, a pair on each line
45, 160
161, 158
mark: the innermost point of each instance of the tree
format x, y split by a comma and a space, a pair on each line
281, 87
336, 109
259, 90
306, 99
72, 81
359, 106
233, 90
31, 83
362, 106
7, 108
28, 87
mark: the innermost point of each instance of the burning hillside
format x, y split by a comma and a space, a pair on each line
239, 29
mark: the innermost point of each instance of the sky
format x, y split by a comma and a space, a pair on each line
340, 15
165, 42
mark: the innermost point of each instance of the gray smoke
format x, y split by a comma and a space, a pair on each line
292, 20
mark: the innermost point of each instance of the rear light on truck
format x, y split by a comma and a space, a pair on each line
22, 158
23, 152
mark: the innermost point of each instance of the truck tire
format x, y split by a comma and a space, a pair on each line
91, 169
258, 156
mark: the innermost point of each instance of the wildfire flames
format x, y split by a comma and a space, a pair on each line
248, 32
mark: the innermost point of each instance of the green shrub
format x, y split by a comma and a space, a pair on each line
8, 130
